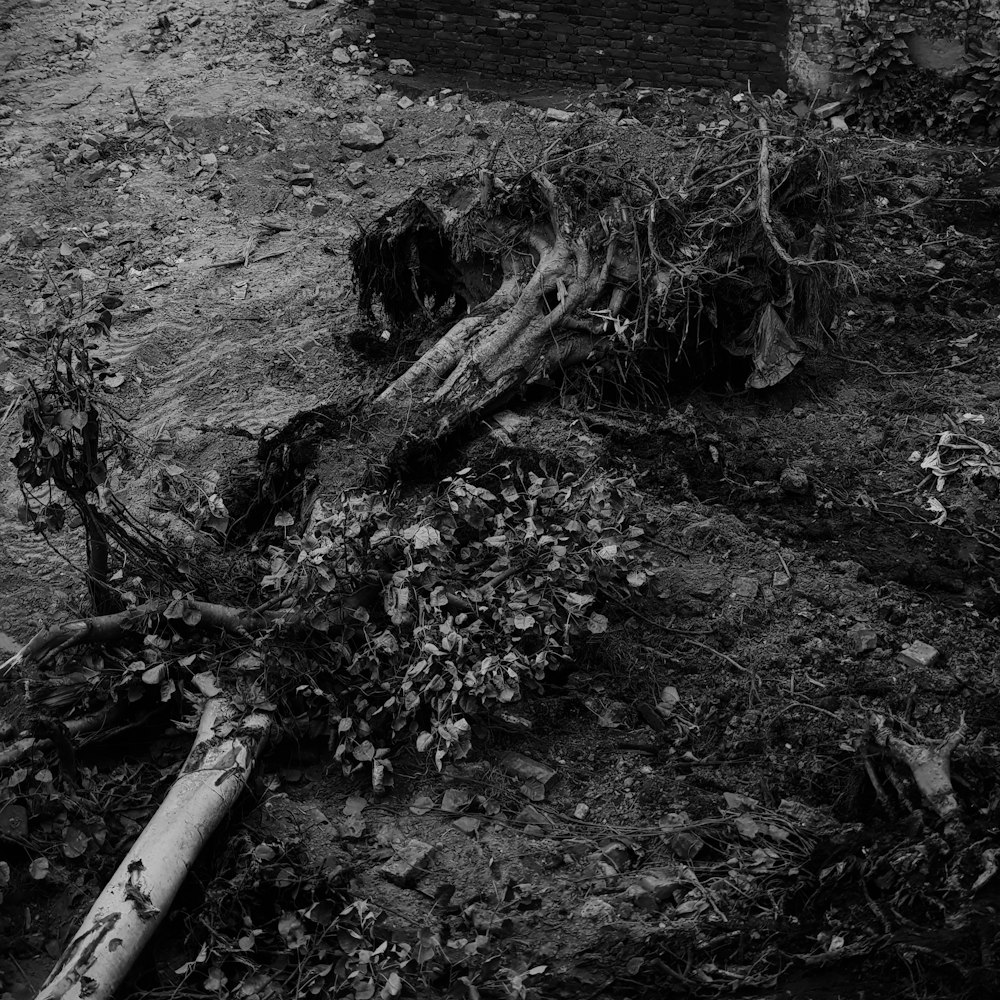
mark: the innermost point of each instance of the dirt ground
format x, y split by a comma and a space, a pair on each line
801, 554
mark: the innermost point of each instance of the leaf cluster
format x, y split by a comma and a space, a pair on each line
486, 588
281, 923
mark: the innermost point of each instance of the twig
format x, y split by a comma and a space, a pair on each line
73, 104
135, 104
885, 374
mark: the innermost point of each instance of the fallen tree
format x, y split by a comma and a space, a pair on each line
606, 255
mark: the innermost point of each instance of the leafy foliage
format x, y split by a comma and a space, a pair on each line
499, 582
66, 437
977, 103
893, 94
280, 923
877, 53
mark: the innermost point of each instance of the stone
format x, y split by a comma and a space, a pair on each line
825, 111
301, 168
746, 586
863, 640
341, 56
33, 236
558, 115
209, 160
598, 910
404, 103
90, 155
410, 864
794, 481
401, 67
781, 580
919, 654
528, 770
531, 816
335, 34
304, 4
357, 179
364, 136
318, 207
839, 124
95, 173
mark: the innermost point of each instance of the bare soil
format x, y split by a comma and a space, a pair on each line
824, 889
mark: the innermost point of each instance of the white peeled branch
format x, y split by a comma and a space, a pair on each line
140, 893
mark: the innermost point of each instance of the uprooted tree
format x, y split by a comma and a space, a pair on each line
626, 262
620, 265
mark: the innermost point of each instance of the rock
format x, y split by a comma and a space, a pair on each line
598, 910
534, 820
781, 580
341, 56
825, 111
746, 586
209, 160
794, 481
318, 207
357, 179
33, 236
839, 124
558, 115
409, 865
90, 155
335, 34
919, 654
863, 640
301, 168
536, 777
615, 855
581, 811
146, 49
404, 103
364, 136
304, 4
401, 67
95, 173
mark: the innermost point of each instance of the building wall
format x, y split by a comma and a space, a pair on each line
770, 43
592, 41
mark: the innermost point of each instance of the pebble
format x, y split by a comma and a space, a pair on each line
409, 865
919, 654
863, 640
794, 480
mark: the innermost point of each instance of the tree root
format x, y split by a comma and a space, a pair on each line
140, 893
930, 764
48, 643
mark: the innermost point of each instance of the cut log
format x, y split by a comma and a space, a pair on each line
135, 901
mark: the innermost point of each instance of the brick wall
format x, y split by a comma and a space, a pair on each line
592, 41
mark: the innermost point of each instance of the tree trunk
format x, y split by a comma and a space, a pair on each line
140, 893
